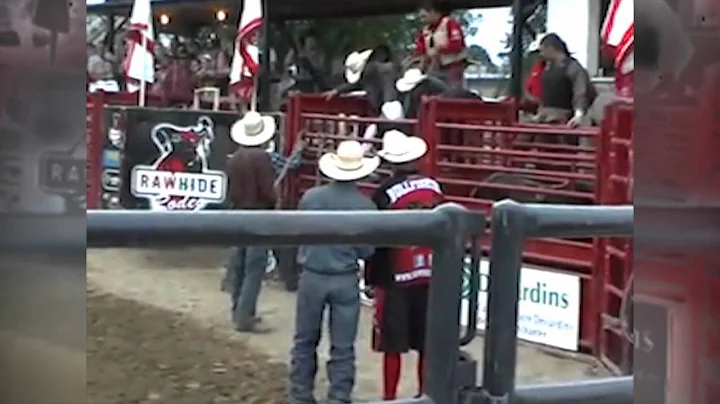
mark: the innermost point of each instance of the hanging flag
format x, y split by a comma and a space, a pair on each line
139, 63
618, 36
618, 31
246, 60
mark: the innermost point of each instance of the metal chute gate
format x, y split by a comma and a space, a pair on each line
450, 371
481, 154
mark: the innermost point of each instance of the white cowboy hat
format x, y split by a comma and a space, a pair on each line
399, 148
392, 110
410, 80
348, 162
253, 129
535, 44
355, 64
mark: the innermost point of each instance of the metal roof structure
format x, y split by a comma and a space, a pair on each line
289, 9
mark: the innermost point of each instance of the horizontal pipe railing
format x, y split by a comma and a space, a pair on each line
615, 390
213, 228
558, 130
512, 224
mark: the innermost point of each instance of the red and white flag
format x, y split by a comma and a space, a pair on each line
246, 59
618, 36
139, 63
618, 31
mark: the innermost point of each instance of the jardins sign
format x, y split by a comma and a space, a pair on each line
549, 305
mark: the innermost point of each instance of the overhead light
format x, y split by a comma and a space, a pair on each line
164, 19
221, 15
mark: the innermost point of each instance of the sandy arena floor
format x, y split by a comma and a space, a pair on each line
158, 333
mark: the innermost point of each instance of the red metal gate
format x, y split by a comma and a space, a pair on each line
614, 255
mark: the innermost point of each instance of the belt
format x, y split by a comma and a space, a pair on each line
331, 273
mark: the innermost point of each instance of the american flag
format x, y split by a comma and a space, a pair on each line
245, 61
618, 31
139, 63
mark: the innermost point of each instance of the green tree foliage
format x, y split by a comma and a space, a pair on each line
338, 37
536, 24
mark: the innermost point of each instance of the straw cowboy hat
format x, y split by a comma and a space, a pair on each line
348, 162
253, 129
391, 110
410, 80
355, 64
398, 148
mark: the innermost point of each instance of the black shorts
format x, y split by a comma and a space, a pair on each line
400, 318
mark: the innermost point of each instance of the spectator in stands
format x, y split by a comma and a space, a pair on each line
440, 44
309, 73
100, 69
252, 173
178, 82
330, 280
567, 92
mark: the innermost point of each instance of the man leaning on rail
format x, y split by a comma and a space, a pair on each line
329, 280
252, 171
567, 92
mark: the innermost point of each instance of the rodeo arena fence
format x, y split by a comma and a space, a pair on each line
451, 372
481, 154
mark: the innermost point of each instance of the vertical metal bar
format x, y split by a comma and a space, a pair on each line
516, 53
442, 344
265, 65
508, 234
474, 279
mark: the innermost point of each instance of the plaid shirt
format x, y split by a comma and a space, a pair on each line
279, 162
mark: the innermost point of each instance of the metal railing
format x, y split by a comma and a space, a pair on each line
450, 372
512, 225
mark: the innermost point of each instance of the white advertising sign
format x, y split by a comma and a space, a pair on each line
549, 311
180, 178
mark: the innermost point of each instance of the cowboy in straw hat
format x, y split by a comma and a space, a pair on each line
252, 172
374, 72
414, 84
399, 277
330, 278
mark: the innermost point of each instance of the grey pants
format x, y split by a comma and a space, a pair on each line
246, 270
341, 295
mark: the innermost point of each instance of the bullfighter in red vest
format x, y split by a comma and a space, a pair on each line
441, 45
400, 277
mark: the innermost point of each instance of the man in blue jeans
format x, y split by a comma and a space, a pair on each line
252, 171
329, 279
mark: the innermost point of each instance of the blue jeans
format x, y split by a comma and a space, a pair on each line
246, 270
341, 295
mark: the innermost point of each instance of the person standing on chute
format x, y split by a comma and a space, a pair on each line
440, 45
139, 63
618, 36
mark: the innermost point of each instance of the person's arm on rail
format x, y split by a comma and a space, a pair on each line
290, 163
581, 87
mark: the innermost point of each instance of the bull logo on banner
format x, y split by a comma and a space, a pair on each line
180, 178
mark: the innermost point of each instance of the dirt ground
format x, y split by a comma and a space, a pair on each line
158, 332
141, 354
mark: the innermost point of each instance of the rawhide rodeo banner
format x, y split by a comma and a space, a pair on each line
166, 159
